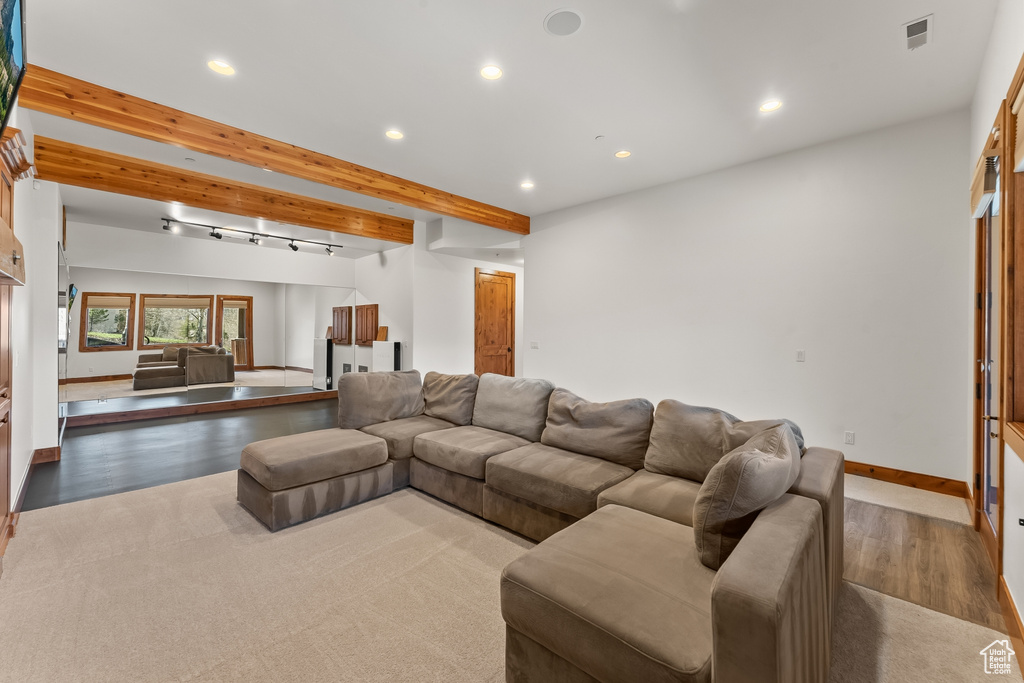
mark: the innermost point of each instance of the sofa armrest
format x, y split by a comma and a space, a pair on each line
821, 479
769, 603
151, 358
209, 368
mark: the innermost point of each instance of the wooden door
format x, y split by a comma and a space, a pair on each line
341, 328
495, 323
366, 324
239, 340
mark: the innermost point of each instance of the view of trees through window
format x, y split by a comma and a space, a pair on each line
231, 327
107, 327
176, 325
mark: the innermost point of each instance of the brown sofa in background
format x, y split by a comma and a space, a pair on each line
178, 366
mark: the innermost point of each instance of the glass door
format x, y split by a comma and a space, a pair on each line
234, 328
990, 394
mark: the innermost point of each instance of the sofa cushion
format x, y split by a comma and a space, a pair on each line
367, 398
621, 595
450, 397
554, 478
616, 431
687, 441
169, 353
464, 450
399, 434
744, 482
512, 404
297, 459
656, 494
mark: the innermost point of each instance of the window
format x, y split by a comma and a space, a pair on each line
108, 322
174, 319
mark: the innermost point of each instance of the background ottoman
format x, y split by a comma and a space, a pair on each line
295, 478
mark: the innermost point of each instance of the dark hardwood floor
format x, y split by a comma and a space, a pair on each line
101, 460
931, 562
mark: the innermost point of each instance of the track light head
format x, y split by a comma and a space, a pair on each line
255, 240
216, 235
330, 252
293, 246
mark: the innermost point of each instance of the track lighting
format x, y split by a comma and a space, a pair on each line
217, 232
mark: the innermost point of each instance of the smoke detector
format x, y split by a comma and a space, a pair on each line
563, 22
918, 33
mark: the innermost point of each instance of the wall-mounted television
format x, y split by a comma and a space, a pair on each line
12, 55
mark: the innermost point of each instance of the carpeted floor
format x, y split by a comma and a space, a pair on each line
907, 498
178, 583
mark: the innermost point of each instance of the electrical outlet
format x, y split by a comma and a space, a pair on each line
848, 438
90, 370
534, 345
800, 356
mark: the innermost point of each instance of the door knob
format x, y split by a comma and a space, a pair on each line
989, 417
510, 349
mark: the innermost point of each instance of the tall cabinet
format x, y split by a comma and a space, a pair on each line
14, 166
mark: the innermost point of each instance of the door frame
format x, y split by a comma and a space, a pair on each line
477, 272
219, 326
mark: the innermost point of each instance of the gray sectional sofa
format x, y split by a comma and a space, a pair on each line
682, 544
178, 366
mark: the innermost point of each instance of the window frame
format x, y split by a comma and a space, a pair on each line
143, 346
83, 329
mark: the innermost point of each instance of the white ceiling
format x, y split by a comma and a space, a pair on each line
677, 82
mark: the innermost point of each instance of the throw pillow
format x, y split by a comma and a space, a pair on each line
450, 397
617, 431
740, 485
687, 441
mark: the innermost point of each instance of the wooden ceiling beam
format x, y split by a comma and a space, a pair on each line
70, 164
54, 93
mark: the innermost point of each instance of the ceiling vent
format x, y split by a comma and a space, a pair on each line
918, 33
563, 22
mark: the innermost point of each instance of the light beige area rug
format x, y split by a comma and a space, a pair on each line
178, 583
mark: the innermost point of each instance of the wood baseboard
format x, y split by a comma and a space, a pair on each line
1012, 617
96, 378
9, 523
268, 367
198, 408
298, 369
42, 455
925, 482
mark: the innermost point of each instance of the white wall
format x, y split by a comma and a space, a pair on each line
268, 335
444, 295
703, 290
1013, 532
1003, 54
386, 279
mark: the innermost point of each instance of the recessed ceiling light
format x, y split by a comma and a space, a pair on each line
623, 153
770, 106
221, 67
491, 72
395, 134
189, 159
526, 185
269, 170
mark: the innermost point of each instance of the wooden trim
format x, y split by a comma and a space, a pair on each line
268, 367
219, 327
12, 151
60, 95
296, 368
925, 482
142, 320
9, 523
83, 327
1014, 436
88, 380
41, 455
1011, 616
71, 164
198, 408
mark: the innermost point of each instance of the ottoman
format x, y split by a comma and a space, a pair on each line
291, 479
158, 377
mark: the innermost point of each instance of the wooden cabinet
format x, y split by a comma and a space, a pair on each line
341, 328
366, 324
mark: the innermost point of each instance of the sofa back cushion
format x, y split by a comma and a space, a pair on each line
687, 441
616, 431
169, 353
741, 484
450, 397
366, 398
513, 405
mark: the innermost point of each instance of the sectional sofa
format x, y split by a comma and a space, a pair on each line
682, 544
178, 366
